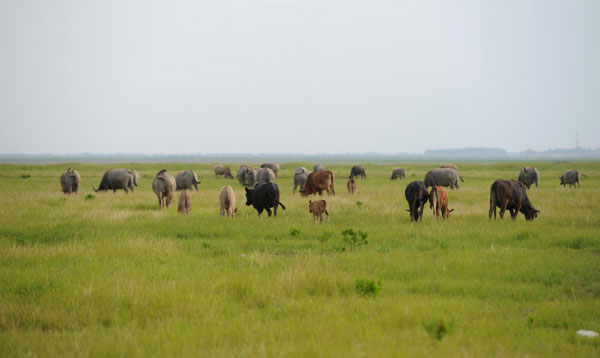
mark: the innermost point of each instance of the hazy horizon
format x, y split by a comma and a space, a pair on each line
297, 77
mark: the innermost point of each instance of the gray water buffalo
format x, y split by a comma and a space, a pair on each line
136, 177
398, 173
115, 179
416, 196
358, 170
265, 175
443, 177
572, 178
300, 177
242, 172
511, 195
164, 187
227, 201
273, 166
528, 176
319, 168
223, 170
69, 181
185, 179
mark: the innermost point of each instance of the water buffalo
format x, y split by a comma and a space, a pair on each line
317, 182
186, 179
416, 195
115, 179
438, 202
227, 201
300, 177
164, 187
242, 172
319, 168
69, 181
185, 202
264, 197
273, 166
223, 170
265, 175
317, 208
358, 170
571, 177
398, 173
528, 176
136, 177
511, 195
443, 177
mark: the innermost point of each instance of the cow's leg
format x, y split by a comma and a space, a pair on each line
503, 209
275, 209
514, 216
268, 211
259, 211
315, 217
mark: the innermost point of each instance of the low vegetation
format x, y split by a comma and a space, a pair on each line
116, 276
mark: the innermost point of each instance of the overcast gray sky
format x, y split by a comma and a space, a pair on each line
297, 76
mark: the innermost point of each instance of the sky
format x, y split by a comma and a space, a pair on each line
297, 76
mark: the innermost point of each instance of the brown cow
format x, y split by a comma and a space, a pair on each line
317, 209
351, 185
317, 182
438, 201
511, 195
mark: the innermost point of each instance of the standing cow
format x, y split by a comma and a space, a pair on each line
164, 187
273, 166
265, 175
186, 179
223, 170
227, 201
358, 170
438, 202
69, 181
351, 185
443, 177
264, 197
300, 177
317, 208
511, 195
572, 178
416, 195
115, 179
398, 173
528, 176
317, 182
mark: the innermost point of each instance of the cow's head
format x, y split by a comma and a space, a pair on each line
249, 193
530, 212
562, 180
304, 191
310, 206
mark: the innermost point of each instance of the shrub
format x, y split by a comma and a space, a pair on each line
325, 236
439, 327
366, 287
353, 238
359, 204
90, 197
295, 232
25, 176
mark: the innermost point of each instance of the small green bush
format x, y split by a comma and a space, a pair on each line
359, 204
325, 236
25, 176
295, 232
354, 239
90, 197
439, 327
366, 287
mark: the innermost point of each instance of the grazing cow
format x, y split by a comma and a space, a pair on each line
443, 176
438, 202
571, 177
227, 201
69, 181
511, 195
319, 168
317, 208
416, 195
351, 185
264, 197
115, 179
241, 173
450, 166
164, 187
223, 170
273, 166
398, 173
265, 175
528, 176
317, 182
185, 202
300, 177
358, 170
186, 179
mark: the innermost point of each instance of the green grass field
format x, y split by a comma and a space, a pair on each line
113, 275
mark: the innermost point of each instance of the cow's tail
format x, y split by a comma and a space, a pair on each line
280, 204
433, 198
461, 179
493, 200
332, 181
583, 175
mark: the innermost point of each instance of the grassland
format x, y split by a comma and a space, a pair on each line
112, 275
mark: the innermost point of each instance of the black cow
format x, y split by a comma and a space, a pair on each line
358, 170
511, 195
416, 195
264, 197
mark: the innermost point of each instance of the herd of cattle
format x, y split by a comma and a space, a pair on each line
262, 192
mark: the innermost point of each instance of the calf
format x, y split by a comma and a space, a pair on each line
227, 201
185, 202
264, 197
511, 195
351, 185
317, 208
416, 195
438, 201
